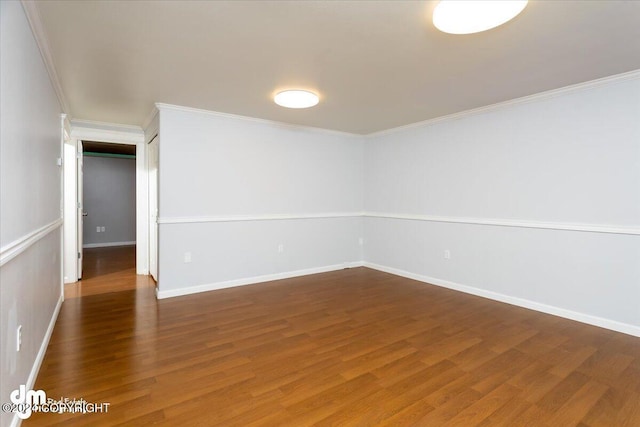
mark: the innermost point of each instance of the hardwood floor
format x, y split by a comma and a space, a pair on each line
349, 348
110, 269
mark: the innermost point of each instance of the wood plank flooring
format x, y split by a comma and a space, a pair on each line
110, 269
350, 348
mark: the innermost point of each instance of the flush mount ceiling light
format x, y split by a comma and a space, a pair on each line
474, 16
296, 99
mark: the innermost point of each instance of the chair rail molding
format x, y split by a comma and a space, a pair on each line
564, 226
15, 248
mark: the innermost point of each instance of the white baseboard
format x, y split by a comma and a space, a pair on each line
15, 422
253, 280
520, 302
108, 244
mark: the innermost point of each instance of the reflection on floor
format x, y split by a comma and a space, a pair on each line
107, 270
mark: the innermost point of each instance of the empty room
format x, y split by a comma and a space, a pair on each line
297, 213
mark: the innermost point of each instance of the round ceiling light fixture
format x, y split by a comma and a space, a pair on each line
296, 99
474, 16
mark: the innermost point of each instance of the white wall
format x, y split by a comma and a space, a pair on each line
216, 169
571, 160
109, 194
30, 205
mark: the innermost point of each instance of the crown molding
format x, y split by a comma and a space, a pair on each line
106, 132
635, 74
65, 123
291, 126
151, 125
152, 114
33, 16
106, 125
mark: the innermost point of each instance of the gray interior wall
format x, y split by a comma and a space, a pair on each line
30, 189
110, 200
518, 195
217, 169
564, 161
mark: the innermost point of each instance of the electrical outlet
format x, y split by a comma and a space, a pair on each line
361, 241
97, 229
187, 257
19, 338
280, 248
103, 229
447, 254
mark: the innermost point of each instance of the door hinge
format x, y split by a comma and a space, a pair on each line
79, 255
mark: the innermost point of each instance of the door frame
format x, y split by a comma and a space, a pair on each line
153, 160
80, 204
82, 130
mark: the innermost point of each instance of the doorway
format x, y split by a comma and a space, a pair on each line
116, 137
107, 196
107, 201
106, 217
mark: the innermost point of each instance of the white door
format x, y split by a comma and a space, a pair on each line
81, 212
153, 208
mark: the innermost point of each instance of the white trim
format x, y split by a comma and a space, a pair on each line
142, 210
517, 101
88, 130
15, 248
161, 106
94, 124
70, 243
252, 280
65, 132
35, 22
520, 302
269, 217
66, 127
148, 120
37, 363
592, 228
108, 244
45, 343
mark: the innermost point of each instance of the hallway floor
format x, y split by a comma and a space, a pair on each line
105, 270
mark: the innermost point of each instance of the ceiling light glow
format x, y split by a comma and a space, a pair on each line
296, 99
474, 16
